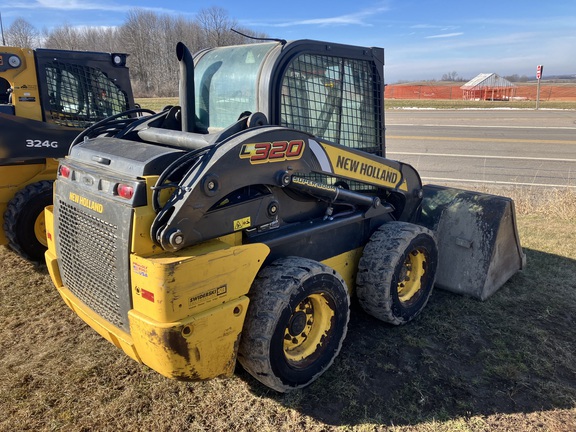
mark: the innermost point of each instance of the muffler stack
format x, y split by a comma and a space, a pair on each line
478, 242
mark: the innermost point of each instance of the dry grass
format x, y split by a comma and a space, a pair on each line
156, 104
557, 204
505, 364
552, 203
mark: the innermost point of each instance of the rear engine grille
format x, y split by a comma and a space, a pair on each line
88, 257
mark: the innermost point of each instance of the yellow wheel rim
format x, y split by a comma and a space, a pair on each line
411, 275
40, 229
308, 325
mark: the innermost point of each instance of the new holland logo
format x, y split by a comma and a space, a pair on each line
85, 202
276, 151
365, 169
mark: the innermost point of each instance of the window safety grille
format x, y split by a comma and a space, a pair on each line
81, 95
334, 98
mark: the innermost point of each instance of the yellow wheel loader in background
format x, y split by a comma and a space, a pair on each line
238, 224
46, 98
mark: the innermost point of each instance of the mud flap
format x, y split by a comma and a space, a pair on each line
478, 242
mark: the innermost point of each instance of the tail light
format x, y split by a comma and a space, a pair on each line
64, 171
125, 191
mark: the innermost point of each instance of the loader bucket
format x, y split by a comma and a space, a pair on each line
478, 242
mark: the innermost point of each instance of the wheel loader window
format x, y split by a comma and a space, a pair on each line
80, 95
333, 98
226, 83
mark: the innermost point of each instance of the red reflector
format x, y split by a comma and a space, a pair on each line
125, 191
64, 171
148, 295
49, 236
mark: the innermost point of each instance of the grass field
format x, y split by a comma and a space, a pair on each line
508, 363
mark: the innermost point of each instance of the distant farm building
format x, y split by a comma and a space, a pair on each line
488, 86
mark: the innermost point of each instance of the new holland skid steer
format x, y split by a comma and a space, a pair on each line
46, 98
238, 224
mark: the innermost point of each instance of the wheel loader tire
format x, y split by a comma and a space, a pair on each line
396, 272
24, 224
295, 324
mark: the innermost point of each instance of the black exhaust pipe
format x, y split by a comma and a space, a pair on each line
186, 88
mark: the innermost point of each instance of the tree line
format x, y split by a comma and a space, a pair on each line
453, 76
149, 38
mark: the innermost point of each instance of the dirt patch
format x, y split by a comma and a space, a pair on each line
548, 92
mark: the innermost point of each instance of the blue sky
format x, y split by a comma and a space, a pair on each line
422, 39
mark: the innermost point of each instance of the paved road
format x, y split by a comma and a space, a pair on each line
502, 147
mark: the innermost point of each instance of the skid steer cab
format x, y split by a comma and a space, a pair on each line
238, 224
47, 97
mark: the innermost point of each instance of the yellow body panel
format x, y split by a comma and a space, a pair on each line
172, 286
200, 347
26, 94
142, 244
347, 265
50, 254
112, 334
14, 178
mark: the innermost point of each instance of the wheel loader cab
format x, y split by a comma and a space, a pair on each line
47, 97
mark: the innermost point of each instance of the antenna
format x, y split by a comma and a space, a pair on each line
2, 30
282, 41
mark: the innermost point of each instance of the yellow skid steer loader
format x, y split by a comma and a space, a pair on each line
238, 224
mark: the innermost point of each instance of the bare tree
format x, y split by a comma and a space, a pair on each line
451, 76
139, 35
83, 38
189, 32
101, 39
64, 37
22, 34
150, 40
171, 31
215, 26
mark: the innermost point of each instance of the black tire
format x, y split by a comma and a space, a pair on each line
396, 272
24, 220
295, 324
